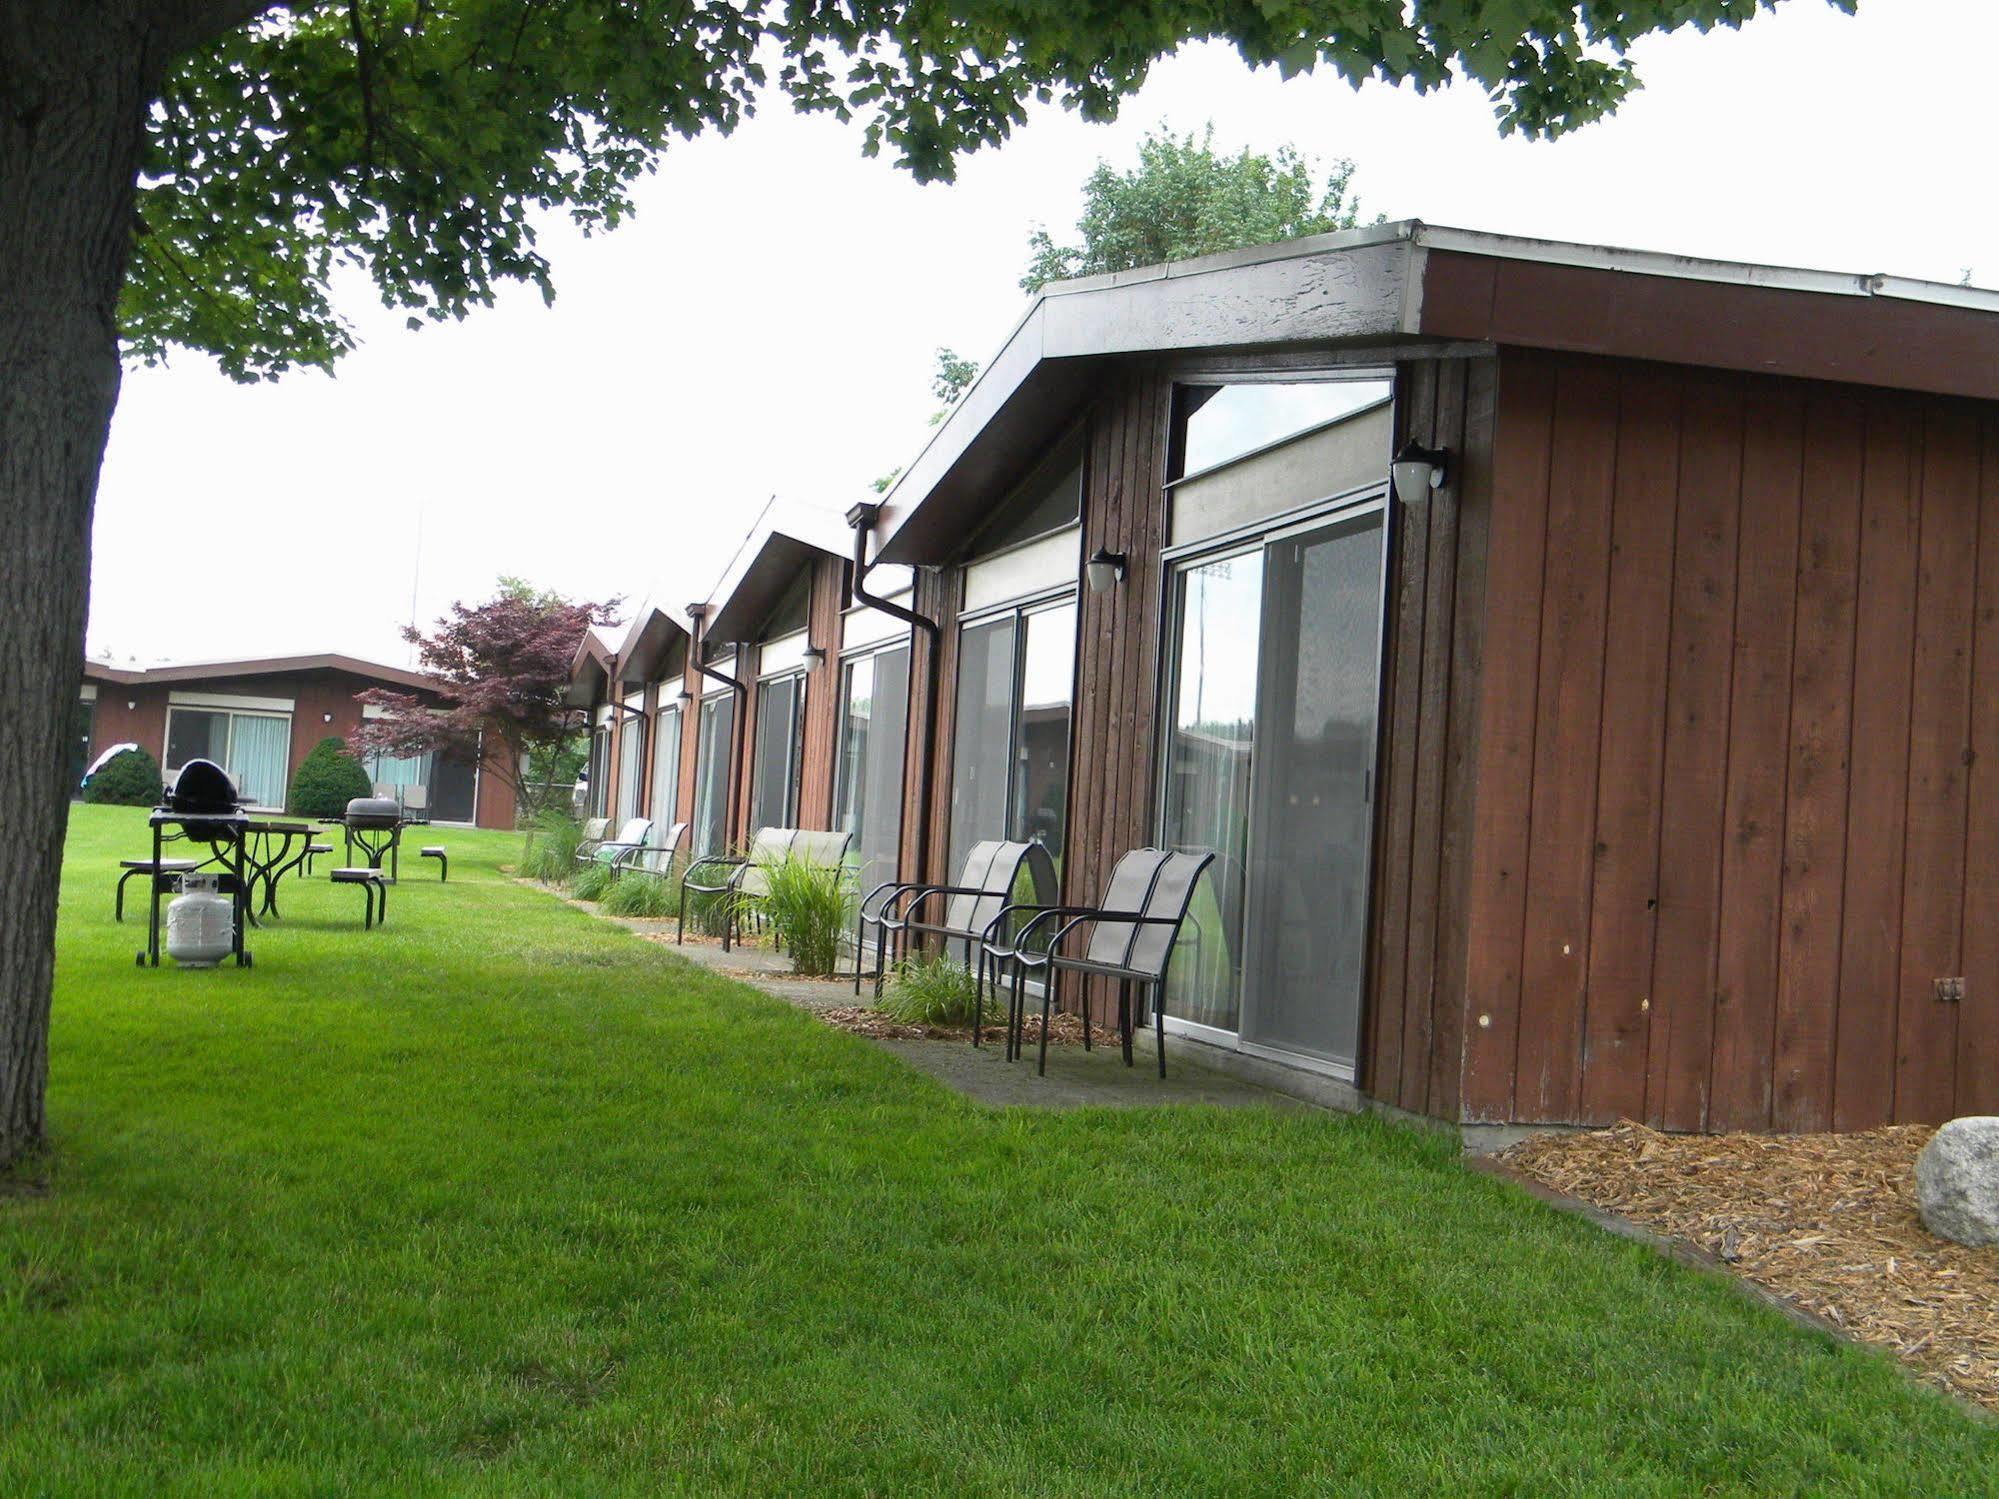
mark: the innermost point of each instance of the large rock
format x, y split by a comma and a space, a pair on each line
1957, 1181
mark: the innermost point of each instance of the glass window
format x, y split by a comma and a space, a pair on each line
255, 748
868, 801
196, 734
774, 771
792, 611
1221, 422
666, 765
1010, 745
711, 773
1216, 608
982, 735
600, 772
631, 762
1048, 499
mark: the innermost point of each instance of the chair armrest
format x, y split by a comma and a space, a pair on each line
1041, 913
888, 890
713, 861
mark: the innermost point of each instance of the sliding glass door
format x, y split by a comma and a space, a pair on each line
665, 802
1269, 765
868, 800
712, 748
774, 765
255, 748
1010, 741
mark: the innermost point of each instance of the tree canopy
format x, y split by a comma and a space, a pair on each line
1184, 199
417, 141
502, 669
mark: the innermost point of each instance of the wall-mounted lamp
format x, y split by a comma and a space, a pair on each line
814, 656
131, 705
326, 718
1104, 570
683, 696
1417, 470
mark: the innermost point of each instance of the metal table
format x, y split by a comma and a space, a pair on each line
268, 858
224, 832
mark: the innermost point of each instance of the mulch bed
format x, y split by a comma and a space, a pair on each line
1828, 1222
1064, 1030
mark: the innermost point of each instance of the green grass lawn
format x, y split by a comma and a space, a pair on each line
502, 1199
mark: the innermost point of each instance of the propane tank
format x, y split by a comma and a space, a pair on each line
201, 923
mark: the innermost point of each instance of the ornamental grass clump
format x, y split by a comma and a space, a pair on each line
808, 907
550, 855
590, 880
929, 989
634, 893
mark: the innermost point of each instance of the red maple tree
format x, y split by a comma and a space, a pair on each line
502, 669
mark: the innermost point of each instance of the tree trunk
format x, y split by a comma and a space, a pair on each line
75, 83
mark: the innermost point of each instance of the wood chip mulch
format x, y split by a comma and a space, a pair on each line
1064, 1030
1828, 1222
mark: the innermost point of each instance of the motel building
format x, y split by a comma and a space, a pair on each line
1582, 663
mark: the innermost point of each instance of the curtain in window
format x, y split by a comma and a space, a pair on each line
259, 745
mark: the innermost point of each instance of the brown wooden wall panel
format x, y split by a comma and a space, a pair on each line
1748, 937
1625, 879
1694, 782
1117, 641
1877, 811
1977, 1090
1562, 814
818, 748
1399, 1025
1814, 860
1523, 430
1414, 1053
1939, 739
1788, 836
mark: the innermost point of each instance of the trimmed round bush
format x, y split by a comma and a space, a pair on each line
130, 778
326, 780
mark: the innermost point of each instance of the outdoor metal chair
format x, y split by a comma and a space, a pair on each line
416, 804
606, 850
737, 880
985, 886
595, 830
655, 857
1131, 940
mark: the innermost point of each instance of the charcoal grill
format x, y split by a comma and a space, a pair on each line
375, 824
205, 808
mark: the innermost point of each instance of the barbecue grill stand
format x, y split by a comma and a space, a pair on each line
205, 807
376, 824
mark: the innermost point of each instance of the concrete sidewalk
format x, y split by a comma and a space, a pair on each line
1076, 1078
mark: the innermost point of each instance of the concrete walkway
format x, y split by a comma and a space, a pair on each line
1076, 1078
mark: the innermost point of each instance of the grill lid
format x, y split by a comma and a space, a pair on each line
373, 812
203, 788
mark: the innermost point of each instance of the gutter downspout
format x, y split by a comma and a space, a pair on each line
699, 614
862, 519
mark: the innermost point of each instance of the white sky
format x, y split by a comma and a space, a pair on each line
766, 324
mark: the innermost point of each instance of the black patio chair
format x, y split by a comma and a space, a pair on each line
1131, 939
741, 882
984, 888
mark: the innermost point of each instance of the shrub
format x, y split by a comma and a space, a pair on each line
590, 880
326, 780
649, 895
929, 989
130, 778
550, 854
808, 907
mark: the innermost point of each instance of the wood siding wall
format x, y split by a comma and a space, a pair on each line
1737, 759
1413, 1032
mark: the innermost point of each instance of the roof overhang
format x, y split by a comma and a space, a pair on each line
786, 539
1396, 285
647, 644
589, 671
263, 666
